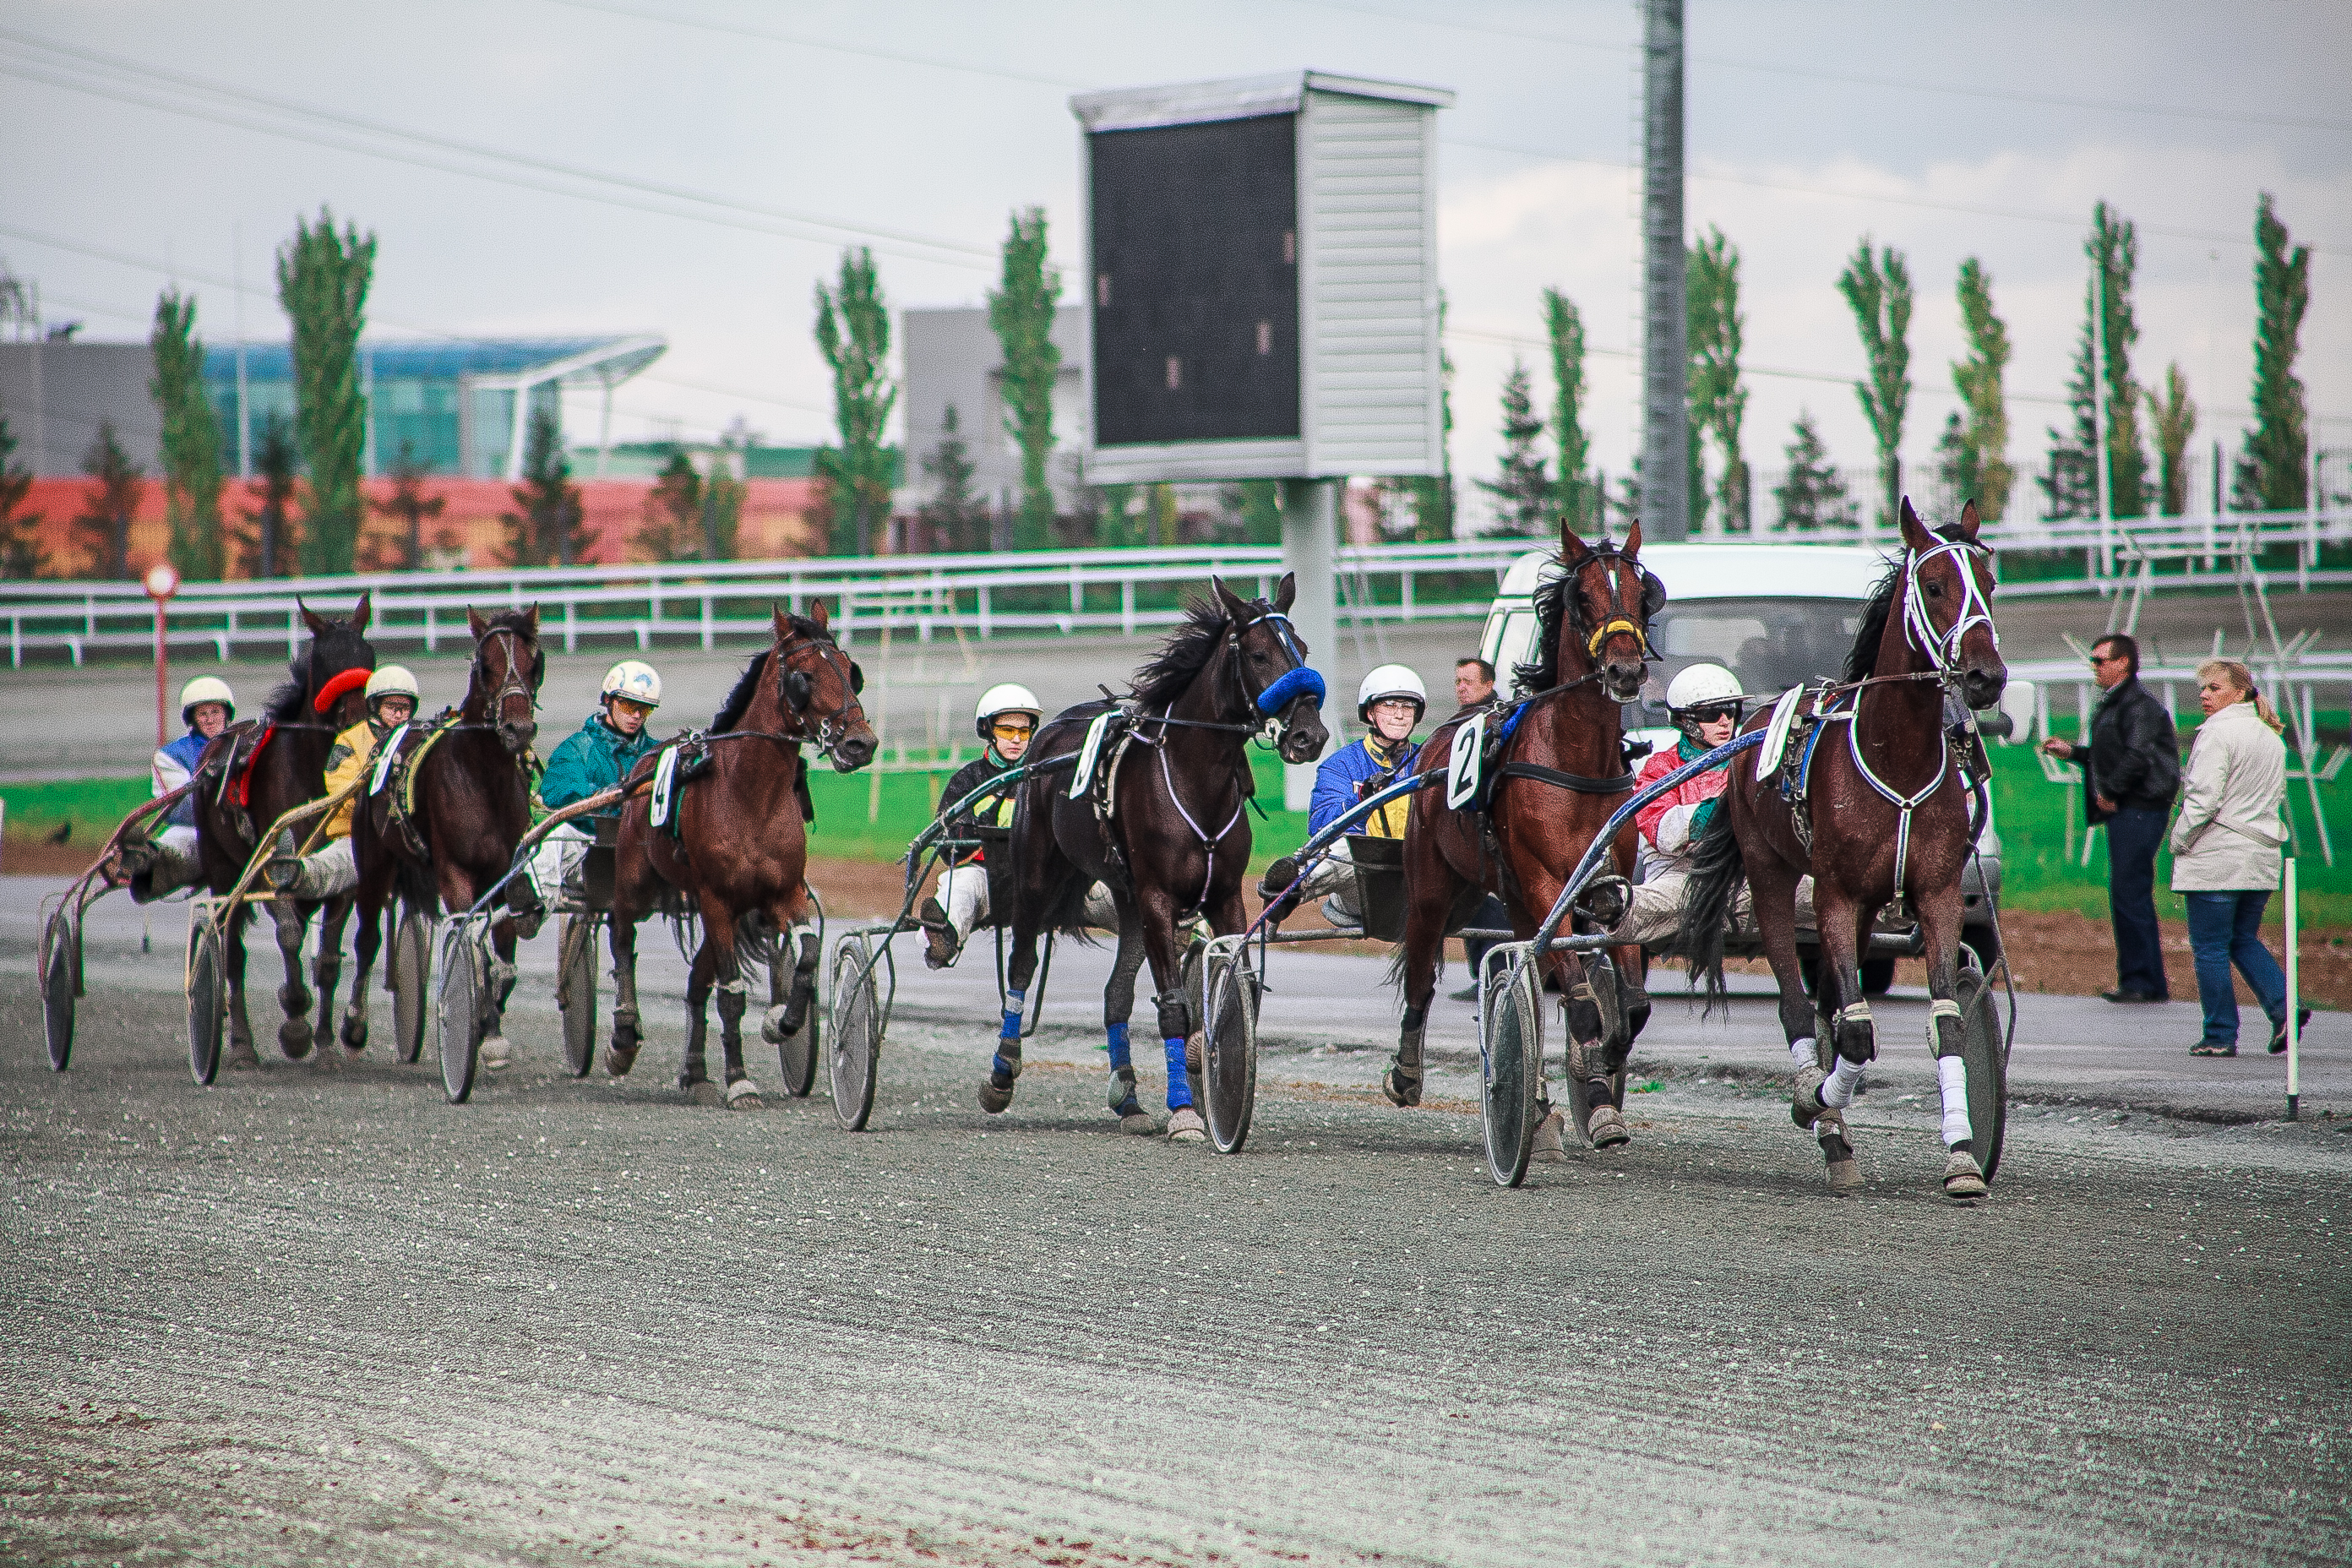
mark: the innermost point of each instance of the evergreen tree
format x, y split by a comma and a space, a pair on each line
547, 526
723, 509
323, 283
1021, 312
852, 332
1522, 495
1813, 496
1718, 402
1573, 488
1433, 494
2175, 419
1956, 460
2271, 464
953, 513
191, 439
411, 507
1980, 469
670, 524
21, 555
269, 550
1877, 289
110, 506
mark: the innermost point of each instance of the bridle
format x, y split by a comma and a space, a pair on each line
513, 684
1281, 695
833, 728
1619, 619
1943, 649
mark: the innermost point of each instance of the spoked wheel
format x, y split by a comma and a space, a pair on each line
1985, 1052
575, 991
60, 983
1511, 1050
1229, 1050
457, 1013
856, 1032
411, 962
207, 1000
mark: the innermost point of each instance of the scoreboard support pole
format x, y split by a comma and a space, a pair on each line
1310, 547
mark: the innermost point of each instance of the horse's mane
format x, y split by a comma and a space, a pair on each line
292, 695
1863, 658
1542, 672
747, 685
1184, 656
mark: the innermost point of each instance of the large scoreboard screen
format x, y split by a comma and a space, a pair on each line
1195, 251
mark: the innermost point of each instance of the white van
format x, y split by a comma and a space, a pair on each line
1774, 614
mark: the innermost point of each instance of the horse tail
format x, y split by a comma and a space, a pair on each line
754, 940
412, 880
1066, 915
1718, 871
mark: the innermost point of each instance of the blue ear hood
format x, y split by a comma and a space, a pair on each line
1294, 685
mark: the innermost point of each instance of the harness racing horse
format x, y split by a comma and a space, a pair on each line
1165, 833
1549, 789
455, 802
1883, 816
737, 845
265, 769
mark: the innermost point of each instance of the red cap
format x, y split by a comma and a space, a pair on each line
348, 680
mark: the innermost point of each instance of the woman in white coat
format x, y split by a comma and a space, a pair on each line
2225, 850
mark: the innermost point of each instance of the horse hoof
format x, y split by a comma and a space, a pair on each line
355, 1034
495, 1053
704, 1093
994, 1098
1400, 1089
1846, 1175
1139, 1122
241, 1058
744, 1095
1186, 1127
1192, 1053
1963, 1178
1607, 1129
1551, 1147
618, 1061
773, 1025
294, 1038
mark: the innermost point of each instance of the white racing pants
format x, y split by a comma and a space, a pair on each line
330, 873
174, 863
1333, 879
1657, 911
964, 893
558, 860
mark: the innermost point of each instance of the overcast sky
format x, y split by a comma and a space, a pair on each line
533, 167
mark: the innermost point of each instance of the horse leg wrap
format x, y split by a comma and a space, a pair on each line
624, 1029
1175, 1018
1016, 1001
1180, 1084
1857, 1037
803, 991
502, 981
1944, 1027
1804, 1051
1952, 1078
1837, 1089
734, 1000
1116, 1043
1401, 1082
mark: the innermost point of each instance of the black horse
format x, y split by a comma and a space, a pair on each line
1161, 823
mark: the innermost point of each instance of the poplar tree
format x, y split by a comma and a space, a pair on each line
322, 283
191, 439
2271, 466
1985, 475
1522, 495
1717, 399
2174, 417
1021, 312
853, 333
1572, 484
2114, 249
1877, 289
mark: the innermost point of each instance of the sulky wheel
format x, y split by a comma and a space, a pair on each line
796, 1055
575, 990
856, 1032
61, 983
1986, 1056
411, 962
207, 1000
1511, 1051
457, 1010
1229, 1050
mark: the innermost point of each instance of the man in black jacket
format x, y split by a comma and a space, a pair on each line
2131, 770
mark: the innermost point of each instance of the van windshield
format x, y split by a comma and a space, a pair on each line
1769, 644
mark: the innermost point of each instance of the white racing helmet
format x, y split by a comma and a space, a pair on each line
1005, 697
1390, 680
634, 680
1703, 691
392, 680
206, 689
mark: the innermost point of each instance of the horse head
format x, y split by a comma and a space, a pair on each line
1948, 604
509, 664
817, 685
337, 647
1610, 602
1269, 659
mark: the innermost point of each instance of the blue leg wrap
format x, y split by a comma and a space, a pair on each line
1015, 1003
1001, 1069
1119, 1056
1180, 1088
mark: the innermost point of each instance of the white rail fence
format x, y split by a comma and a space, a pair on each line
1124, 591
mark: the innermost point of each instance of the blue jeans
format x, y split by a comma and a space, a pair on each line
2226, 928
2133, 836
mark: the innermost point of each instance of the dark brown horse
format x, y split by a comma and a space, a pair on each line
1175, 839
455, 802
1559, 773
736, 846
1884, 817
247, 793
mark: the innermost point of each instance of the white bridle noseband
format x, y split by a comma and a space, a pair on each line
1919, 627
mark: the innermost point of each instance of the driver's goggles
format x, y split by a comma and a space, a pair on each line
1008, 731
1731, 710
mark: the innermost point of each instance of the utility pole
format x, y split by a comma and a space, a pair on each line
1665, 334
1310, 547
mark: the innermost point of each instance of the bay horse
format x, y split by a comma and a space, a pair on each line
1885, 816
1166, 833
738, 848
267, 767
456, 803
1559, 774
